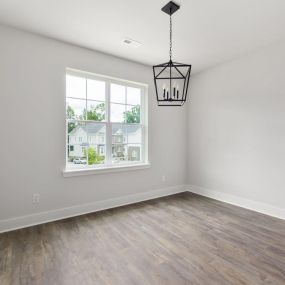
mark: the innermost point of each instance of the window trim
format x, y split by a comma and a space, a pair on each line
104, 170
123, 166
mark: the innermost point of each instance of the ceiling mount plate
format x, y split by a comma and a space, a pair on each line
170, 8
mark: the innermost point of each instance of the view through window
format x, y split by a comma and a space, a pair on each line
105, 121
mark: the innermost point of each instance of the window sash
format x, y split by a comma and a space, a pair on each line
108, 142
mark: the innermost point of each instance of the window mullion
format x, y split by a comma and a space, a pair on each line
126, 123
86, 127
108, 125
143, 125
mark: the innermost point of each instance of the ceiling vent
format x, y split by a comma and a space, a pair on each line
131, 43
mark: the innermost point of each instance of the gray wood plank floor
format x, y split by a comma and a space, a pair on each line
180, 239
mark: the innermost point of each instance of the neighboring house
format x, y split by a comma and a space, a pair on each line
125, 143
79, 140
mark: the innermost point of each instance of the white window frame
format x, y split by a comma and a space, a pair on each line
109, 166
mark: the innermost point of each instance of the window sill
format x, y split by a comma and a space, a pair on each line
103, 170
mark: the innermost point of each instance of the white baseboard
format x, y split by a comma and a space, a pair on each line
53, 215
239, 201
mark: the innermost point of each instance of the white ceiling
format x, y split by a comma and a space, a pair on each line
206, 32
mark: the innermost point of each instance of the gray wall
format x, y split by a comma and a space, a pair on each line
32, 116
236, 127
235, 142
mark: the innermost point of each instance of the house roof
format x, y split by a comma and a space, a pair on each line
94, 128
91, 128
130, 128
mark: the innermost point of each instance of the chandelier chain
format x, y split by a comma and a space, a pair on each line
170, 37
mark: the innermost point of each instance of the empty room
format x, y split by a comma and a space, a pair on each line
142, 142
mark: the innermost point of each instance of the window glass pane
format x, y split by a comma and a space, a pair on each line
77, 144
95, 90
117, 113
75, 109
76, 156
118, 93
132, 115
96, 133
119, 134
134, 134
96, 154
75, 87
133, 96
96, 143
95, 111
119, 153
76, 133
134, 152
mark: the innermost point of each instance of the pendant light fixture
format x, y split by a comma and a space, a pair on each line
171, 79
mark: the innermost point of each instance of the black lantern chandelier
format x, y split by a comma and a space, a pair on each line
171, 79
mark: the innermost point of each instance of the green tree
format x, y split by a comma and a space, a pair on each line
133, 115
96, 113
70, 114
93, 156
71, 126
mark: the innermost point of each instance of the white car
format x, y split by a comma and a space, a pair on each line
79, 161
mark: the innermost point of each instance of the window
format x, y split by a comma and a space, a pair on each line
105, 120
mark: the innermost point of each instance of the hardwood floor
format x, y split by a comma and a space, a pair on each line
180, 239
